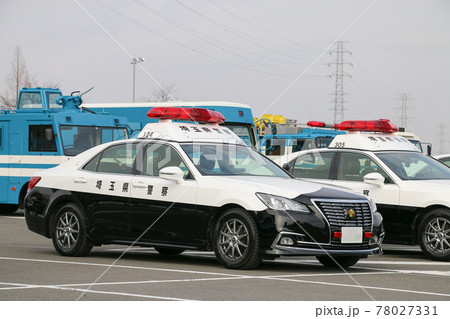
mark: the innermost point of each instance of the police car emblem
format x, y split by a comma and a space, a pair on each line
349, 213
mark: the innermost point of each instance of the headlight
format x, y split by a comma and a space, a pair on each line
281, 203
373, 206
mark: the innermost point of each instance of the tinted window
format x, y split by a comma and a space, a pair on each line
445, 160
41, 138
414, 166
354, 166
77, 139
312, 165
302, 144
224, 159
159, 156
118, 159
275, 146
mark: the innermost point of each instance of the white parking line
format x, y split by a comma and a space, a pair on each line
59, 287
361, 286
223, 276
121, 266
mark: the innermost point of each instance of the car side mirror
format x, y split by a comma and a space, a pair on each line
172, 173
286, 167
374, 179
429, 149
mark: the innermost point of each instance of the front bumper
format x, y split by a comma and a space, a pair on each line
317, 233
301, 251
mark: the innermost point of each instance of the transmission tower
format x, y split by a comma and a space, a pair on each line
404, 108
339, 75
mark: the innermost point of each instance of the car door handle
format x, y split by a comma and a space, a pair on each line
139, 184
80, 180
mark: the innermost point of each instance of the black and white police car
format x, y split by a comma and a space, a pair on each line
195, 185
410, 189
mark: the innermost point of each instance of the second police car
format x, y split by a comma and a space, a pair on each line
410, 189
183, 185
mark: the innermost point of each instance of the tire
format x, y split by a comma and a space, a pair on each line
236, 240
338, 261
434, 234
165, 251
70, 232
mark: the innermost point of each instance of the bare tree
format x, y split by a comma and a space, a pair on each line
17, 79
164, 94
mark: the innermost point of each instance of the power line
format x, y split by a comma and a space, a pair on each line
264, 30
246, 37
189, 47
211, 41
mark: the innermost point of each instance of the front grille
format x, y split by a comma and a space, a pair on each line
336, 212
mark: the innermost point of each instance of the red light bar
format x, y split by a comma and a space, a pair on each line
179, 113
208, 116
383, 126
186, 114
316, 124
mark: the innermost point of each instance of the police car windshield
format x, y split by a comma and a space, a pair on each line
226, 159
414, 166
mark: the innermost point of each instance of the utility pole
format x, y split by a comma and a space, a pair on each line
404, 107
134, 62
339, 75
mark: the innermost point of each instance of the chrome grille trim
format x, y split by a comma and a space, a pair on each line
334, 213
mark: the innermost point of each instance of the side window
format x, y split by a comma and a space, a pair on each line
118, 159
313, 165
41, 138
157, 156
30, 100
302, 144
51, 100
354, 166
275, 146
93, 163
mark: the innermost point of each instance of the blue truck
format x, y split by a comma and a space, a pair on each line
238, 117
44, 130
279, 137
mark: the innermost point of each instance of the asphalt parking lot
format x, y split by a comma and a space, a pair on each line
31, 270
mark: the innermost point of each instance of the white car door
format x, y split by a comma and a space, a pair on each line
163, 210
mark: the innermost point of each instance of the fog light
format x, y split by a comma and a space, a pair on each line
286, 241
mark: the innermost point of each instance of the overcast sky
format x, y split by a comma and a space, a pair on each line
270, 54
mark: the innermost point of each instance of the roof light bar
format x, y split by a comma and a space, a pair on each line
186, 114
316, 124
320, 124
382, 126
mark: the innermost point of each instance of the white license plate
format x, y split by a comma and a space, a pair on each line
351, 235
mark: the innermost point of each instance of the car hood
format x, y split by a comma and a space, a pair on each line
429, 186
425, 193
280, 186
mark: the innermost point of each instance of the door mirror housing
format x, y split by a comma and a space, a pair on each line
374, 179
172, 173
